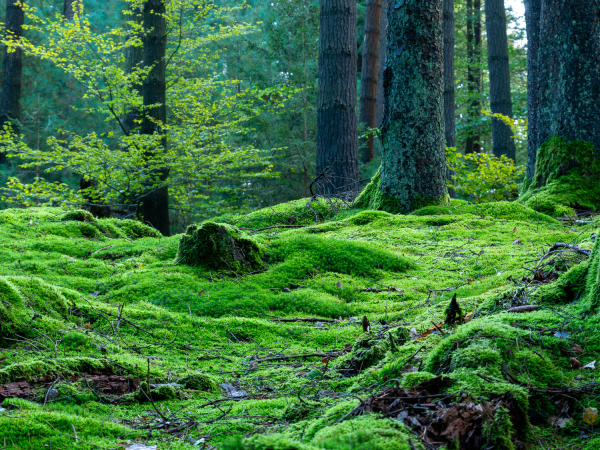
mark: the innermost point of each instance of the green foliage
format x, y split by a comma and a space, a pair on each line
499, 431
200, 382
219, 246
482, 177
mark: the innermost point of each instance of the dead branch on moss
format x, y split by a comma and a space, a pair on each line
300, 319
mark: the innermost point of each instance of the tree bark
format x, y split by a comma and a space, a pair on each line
449, 96
10, 97
413, 170
532, 19
370, 66
70, 7
473, 144
337, 124
155, 202
569, 71
381, 63
500, 96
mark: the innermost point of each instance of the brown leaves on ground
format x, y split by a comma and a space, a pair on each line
440, 420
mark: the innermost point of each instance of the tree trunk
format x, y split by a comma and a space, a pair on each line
381, 63
449, 96
532, 19
337, 124
569, 71
155, 202
370, 66
500, 96
10, 98
413, 170
473, 144
70, 7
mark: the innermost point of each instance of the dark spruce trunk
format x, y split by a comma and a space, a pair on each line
473, 144
381, 63
532, 19
500, 96
70, 7
155, 202
337, 134
370, 68
569, 71
413, 170
449, 95
10, 98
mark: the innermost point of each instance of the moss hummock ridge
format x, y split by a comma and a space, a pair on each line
274, 338
219, 246
566, 178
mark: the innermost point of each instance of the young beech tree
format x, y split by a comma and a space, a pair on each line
473, 144
337, 125
370, 69
128, 164
500, 97
10, 96
413, 169
532, 21
565, 72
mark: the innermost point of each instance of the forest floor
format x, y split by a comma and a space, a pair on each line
341, 341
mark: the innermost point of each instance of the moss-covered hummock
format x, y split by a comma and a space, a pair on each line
566, 177
219, 246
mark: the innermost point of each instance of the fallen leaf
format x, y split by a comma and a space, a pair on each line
562, 334
413, 333
325, 360
470, 280
591, 365
577, 349
516, 241
590, 415
201, 292
575, 363
514, 229
339, 285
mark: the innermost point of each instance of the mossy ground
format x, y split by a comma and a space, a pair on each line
80, 297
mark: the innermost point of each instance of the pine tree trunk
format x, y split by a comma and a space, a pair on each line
381, 63
569, 71
155, 202
413, 171
370, 66
473, 144
500, 96
10, 97
532, 19
69, 8
449, 96
337, 124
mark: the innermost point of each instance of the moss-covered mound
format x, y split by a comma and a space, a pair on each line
566, 177
219, 246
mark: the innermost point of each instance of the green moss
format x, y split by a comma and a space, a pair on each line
565, 178
219, 246
160, 393
78, 215
497, 210
265, 442
200, 382
413, 379
64, 367
499, 431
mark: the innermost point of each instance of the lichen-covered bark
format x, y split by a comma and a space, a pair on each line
569, 71
500, 97
10, 106
473, 141
532, 19
449, 96
381, 63
337, 124
155, 203
413, 171
369, 74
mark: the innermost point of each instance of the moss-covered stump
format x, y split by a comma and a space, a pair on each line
219, 246
566, 177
